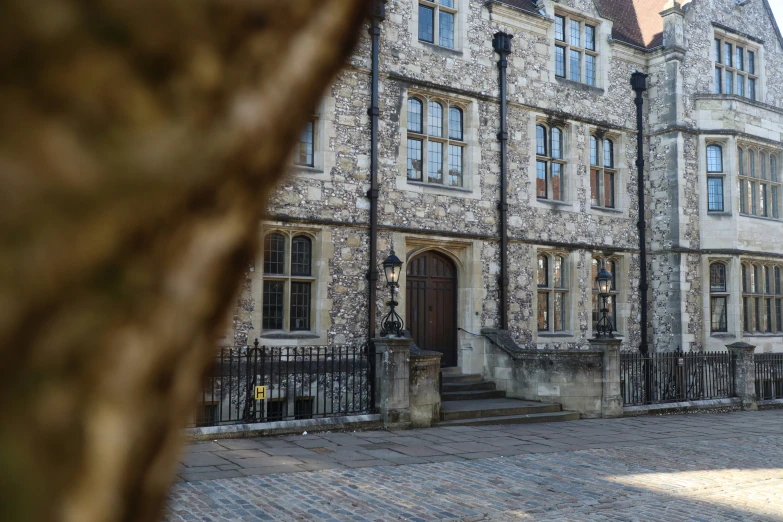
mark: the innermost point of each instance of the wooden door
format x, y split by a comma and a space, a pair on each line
431, 297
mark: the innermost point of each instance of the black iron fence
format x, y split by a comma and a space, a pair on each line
769, 375
266, 384
675, 376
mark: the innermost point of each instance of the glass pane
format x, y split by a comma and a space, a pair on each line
778, 315
589, 69
752, 158
773, 168
414, 159
741, 157
455, 123
560, 28
273, 305
541, 191
763, 161
608, 153
576, 37
593, 151
543, 271
575, 71
718, 80
609, 189
754, 278
714, 159
540, 140
727, 53
543, 311
455, 166
717, 50
557, 143
414, 115
753, 198
743, 197
560, 62
595, 309
305, 153
594, 273
767, 280
739, 62
301, 256
740, 85
757, 314
274, 254
557, 181
559, 311
590, 37
751, 88
744, 279
746, 314
434, 162
446, 29
446, 3
777, 280
729, 82
751, 62
435, 119
300, 306
426, 23
763, 199
774, 201
595, 182
715, 194
612, 268
718, 321
717, 277
557, 273
610, 310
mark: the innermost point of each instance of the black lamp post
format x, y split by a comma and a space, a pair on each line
604, 327
392, 322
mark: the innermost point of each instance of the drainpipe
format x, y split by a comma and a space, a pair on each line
639, 84
502, 45
377, 15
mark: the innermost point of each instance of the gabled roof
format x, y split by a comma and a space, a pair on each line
637, 22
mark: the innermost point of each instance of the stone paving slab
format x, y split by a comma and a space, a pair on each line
730, 468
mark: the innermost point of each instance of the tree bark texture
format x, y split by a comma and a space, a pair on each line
138, 142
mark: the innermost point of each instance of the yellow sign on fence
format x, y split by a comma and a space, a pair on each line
260, 393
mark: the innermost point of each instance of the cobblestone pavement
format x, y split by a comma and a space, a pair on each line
706, 467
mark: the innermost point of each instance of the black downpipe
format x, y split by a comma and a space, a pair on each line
502, 45
639, 84
377, 15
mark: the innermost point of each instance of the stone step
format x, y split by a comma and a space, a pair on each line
451, 370
474, 409
462, 378
468, 386
558, 416
472, 395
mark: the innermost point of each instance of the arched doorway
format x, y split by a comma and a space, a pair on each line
431, 299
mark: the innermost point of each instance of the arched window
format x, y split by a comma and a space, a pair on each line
602, 173
287, 281
435, 153
718, 297
552, 292
715, 181
550, 166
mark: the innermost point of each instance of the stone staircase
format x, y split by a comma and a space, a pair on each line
469, 400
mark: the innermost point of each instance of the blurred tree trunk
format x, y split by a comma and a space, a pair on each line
138, 142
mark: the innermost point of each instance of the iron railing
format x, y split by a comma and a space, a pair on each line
769, 375
301, 383
675, 377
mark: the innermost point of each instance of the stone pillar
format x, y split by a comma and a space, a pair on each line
744, 374
611, 399
392, 381
424, 388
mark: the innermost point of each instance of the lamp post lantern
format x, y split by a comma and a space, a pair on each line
392, 322
604, 327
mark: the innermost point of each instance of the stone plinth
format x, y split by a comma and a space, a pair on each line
611, 398
393, 381
424, 388
744, 374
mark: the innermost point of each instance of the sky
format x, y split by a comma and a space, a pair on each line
777, 8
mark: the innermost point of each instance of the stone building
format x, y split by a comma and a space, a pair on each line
567, 165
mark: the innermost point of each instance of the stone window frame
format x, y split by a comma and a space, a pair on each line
471, 188
621, 172
323, 118
550, 161
722, 66
461, 22
321, 250
617, 288
761, 308
438, 7
310, 128
718, 293
447, 139
713, 174
759, 166
566, 45
550, 290
601, 169
571, 159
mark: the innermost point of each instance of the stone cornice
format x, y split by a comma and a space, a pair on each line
517, 16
